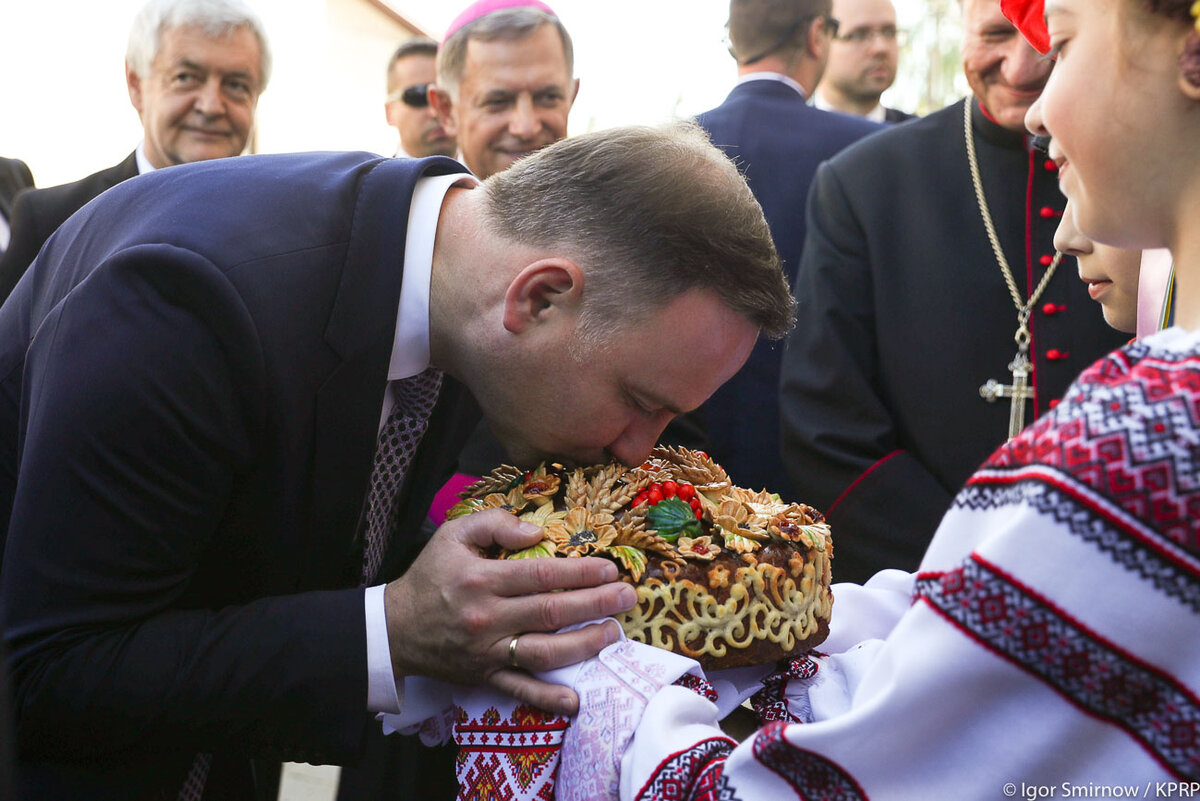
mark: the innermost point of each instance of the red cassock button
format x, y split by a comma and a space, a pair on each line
1053, 403
1052, 308
1050, 165
1046, 260
1055, 355
1048, 212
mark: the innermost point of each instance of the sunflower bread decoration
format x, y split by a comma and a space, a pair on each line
726, 576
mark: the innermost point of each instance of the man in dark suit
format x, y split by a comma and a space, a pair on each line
200, 372
14, 176
777, 140
195, 70
863, 59
907, 324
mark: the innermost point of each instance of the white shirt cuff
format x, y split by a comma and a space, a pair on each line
384, 692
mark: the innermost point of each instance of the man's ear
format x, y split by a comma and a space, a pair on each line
134, 82
443, 107
574, 92
541, 291
1189, 66
816, 41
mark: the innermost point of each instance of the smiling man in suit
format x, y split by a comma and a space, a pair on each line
195, 70
232, 390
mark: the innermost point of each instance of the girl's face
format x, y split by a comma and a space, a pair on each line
1116, 117
1111, 274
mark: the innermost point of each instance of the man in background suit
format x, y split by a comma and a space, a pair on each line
777, 140
195, 70
201, 373
862, 61
14, 176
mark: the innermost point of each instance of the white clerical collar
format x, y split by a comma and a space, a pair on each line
772, 76
877, 114
410, 350
144, 165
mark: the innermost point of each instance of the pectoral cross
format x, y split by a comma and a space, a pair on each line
1019, 392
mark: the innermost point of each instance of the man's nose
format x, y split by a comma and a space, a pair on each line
209, 100
639, 438
524, 123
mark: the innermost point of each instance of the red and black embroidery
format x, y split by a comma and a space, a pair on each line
697, 774
813, 776
1127, 430
499, 753
770, 703
701, 687
1079, 510
1017, 624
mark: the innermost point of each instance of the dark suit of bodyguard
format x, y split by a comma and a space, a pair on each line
269, 373
777, 140
903, 314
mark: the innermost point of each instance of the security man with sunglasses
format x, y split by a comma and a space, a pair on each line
412, 70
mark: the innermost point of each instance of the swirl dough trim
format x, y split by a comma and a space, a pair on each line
764, 602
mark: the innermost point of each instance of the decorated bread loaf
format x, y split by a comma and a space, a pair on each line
726, 576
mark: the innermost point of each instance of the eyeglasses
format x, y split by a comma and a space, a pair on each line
831, 25
866, 35
415, 96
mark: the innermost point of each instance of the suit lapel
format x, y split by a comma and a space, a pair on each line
361, 331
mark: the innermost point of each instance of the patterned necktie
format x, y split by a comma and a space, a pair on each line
398, 440
193, 783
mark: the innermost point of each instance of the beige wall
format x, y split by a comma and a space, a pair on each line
333, 97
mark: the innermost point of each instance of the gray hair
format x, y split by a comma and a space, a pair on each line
511, 24
647, 214
216, 18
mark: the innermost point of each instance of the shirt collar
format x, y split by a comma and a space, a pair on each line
410, 350
772, 76
877, 114
144, 165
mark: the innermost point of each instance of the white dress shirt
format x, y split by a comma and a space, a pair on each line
773, 76
877, 114
410, 356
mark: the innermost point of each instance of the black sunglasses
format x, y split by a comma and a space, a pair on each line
415, 96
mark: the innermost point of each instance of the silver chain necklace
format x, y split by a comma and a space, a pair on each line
1020, 367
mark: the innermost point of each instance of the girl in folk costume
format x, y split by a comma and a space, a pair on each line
1049, 645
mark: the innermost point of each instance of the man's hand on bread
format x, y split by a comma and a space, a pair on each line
454, 614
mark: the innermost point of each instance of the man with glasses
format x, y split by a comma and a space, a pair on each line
412, 70
862, 61
766, 126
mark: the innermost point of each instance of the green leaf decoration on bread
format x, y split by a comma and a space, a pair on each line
671, 518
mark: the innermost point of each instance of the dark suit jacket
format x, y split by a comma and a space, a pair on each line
777, 140
896, 115
196, 365
14, 176
904, 314
39, 212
